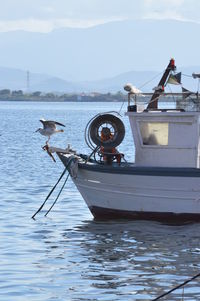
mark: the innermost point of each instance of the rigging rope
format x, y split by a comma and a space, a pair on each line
49, 193
121, 107
177, 287
150, 80
87, 133
187, 75
57, 195
63, 173
170, 89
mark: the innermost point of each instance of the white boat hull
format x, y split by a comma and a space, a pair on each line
140, 193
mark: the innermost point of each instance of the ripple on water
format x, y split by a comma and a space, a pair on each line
68, 255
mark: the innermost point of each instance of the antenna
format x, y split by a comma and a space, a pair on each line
27, 80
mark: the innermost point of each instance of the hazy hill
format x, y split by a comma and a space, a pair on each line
116, 83
102, 51
55, 84
16, 80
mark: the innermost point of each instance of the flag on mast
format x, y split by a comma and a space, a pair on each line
174, 79
186, 93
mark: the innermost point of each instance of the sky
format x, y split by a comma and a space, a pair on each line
47, 15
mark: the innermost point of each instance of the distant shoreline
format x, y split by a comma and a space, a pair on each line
56, 100
50, 97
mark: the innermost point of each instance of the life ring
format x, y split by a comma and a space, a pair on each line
104, 123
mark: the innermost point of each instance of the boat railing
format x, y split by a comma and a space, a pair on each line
168, 101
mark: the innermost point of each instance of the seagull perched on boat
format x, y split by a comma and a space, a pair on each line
49, 128
132, 89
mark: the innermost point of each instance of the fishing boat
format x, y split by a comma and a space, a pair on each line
164, 181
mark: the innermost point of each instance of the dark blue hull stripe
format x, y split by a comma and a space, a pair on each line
129, 169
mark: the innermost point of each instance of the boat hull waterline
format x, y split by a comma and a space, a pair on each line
170, 194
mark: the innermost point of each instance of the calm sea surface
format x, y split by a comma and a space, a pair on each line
68, 255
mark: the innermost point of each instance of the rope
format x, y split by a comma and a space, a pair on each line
33, 217
187, 75
87, 133
150, 80
145, 102
148, 83
121, 107
57, 195
92, 153
170, 89
177, 287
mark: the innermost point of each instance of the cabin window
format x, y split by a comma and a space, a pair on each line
154, 133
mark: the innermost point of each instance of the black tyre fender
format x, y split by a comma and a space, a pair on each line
110, 121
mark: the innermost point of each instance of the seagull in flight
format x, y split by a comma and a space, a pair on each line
49, 128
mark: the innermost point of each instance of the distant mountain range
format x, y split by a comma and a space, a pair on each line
15, 79
98, 58
103, 51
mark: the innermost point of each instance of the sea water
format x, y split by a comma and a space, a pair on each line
68, 255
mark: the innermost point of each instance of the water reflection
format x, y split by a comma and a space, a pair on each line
63, 257
123, 260
139, 258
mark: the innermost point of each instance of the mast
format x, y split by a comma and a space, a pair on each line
153, 104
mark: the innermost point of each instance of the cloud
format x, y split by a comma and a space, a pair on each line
184, 10
45, 15
45, 9
44, 26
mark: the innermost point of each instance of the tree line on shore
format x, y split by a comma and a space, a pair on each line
20, 95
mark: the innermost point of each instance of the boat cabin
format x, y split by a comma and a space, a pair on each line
166, 139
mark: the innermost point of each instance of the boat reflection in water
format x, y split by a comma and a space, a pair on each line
125, 260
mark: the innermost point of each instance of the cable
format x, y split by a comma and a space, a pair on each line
187, 75
177, 287
170, 89
87, 131
121, 106
33, 217
57, 195
63, 173
150, 80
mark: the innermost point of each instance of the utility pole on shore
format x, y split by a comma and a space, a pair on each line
27, 80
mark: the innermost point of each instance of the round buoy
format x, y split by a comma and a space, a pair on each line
108, 126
